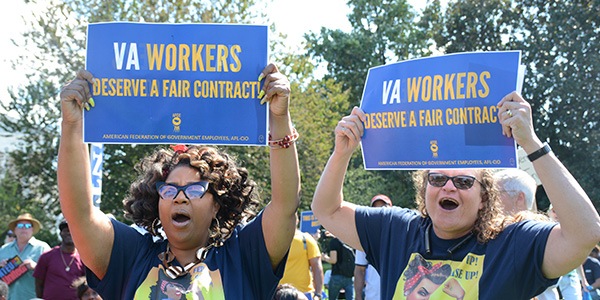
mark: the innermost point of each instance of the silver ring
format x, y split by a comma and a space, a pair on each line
509, 113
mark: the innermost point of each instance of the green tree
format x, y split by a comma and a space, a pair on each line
561, 51
469, 25
382, 32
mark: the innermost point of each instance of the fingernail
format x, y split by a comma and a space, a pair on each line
92, 102
263, 101
261, 94
261, 76
86, 106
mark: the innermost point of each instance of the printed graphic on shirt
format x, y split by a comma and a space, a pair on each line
440, 279
200, 284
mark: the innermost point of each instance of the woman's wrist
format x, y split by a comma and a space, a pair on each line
280, 128
532, 146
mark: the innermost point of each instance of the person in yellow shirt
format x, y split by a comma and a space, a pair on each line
303, 268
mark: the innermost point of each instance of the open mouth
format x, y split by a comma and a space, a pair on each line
180, 218
448, 204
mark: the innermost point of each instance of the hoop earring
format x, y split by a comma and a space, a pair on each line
155, 226
218, 241
218, 225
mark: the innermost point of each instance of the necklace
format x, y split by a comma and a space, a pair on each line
67, 267
177, 271
449, 250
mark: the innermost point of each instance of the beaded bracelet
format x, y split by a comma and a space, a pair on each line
284, 142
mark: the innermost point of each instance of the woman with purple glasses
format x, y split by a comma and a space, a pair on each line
459, 222
197, 200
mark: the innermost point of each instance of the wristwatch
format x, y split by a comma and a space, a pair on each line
540, 152
316, 296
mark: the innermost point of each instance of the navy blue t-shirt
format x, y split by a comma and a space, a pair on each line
240, 269
591, 266
507, 267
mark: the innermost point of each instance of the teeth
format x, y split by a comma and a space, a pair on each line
448, 203
449, 199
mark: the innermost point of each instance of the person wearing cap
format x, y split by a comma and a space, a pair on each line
29, 249
58, 268
366, 278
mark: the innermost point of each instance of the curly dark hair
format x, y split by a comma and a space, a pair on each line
490, 219
229, 184
286, 291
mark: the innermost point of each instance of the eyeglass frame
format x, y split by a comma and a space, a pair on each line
160, 184
451, 178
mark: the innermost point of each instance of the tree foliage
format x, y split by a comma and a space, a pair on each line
472, 25
562, 55
561, 50
57, 35
382, 31
558, 39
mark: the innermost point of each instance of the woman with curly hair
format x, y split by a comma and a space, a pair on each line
459, 221
199, 203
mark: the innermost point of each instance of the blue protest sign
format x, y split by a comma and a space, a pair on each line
176, 83
96, 159
308, 222
439, 112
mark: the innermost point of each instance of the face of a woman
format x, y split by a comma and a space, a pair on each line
423, 290
453, 211
186, 221
172, 292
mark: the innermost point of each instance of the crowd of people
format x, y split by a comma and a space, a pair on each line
472, 234
36, 271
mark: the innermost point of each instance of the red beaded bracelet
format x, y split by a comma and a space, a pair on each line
284, 142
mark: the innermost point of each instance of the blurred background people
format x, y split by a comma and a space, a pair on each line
341, 257
366, 278
58, 268
517, 194
570, 284
303, 269
9, 237
29, 249
591, 268
3, 290
517, 190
